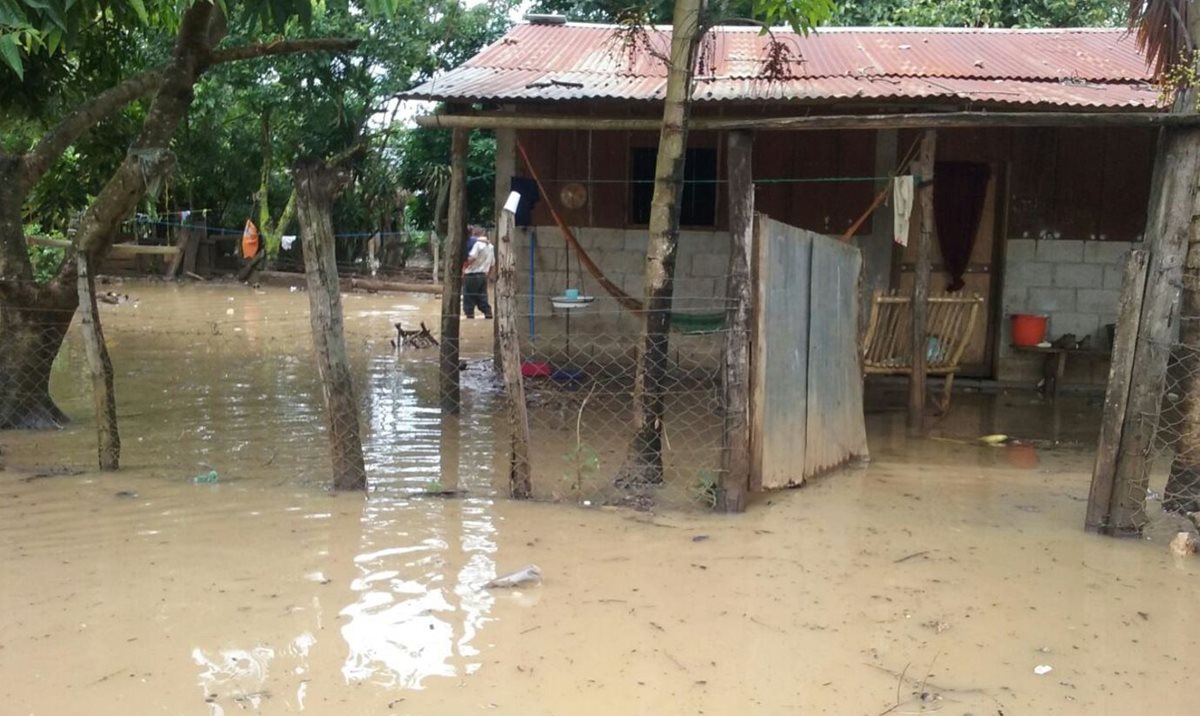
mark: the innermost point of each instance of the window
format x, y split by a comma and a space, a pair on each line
699, 186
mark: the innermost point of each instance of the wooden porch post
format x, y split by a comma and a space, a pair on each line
920, 292
735, 375
1100, 497
456, 235
99, 367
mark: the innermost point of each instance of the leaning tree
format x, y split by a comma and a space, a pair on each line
692, 26
34, 316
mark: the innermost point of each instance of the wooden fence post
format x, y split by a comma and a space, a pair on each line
317, 186
1168, 224
920, 292
506, 168
520, 470
100, 368
456, 237
735, 374
1100, 498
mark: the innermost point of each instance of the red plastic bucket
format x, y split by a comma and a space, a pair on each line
1028, 329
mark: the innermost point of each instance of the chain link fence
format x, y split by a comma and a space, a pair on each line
222, 378
1176, 455
589, 441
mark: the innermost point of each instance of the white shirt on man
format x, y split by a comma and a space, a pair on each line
482, 257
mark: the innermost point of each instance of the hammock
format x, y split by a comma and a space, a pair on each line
685, 323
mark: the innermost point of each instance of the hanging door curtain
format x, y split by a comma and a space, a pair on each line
959, 190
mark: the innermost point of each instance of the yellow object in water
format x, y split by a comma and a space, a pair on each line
993, 439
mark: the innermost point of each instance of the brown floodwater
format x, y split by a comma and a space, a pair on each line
936, 579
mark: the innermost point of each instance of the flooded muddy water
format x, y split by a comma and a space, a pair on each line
937, 579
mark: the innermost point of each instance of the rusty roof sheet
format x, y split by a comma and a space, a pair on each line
1092, 68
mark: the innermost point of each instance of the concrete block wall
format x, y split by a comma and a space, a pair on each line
700, 271
1077, 284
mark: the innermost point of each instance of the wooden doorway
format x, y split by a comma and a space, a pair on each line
981, 275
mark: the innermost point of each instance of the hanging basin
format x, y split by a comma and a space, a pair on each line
569, 302
1028, 329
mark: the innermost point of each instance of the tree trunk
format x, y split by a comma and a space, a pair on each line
100, 369
644, 465
317, 186
34, 320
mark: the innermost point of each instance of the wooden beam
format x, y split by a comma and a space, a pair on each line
922, 120
520, 469
735, 375
1100, 497
99, 368
920, 292
456, 237
118, 250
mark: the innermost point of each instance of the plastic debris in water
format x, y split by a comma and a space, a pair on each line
993, 439
529, 574
206, 478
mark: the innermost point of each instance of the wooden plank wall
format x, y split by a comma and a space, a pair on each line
807, 414
1090, 183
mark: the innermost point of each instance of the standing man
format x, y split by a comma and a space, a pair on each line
480, 260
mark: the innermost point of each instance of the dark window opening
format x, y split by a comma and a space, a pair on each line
699, 203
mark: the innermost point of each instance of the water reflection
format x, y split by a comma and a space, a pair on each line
419, 607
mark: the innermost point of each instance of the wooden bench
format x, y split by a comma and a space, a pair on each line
887, 347
1055, 364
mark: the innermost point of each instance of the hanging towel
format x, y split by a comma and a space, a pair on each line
902, 201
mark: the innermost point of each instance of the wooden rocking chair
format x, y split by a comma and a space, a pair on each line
887, 348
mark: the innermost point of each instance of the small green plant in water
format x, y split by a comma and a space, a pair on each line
705, 488
583, 462
435, 486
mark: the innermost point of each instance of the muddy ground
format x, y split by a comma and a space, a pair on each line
937, 579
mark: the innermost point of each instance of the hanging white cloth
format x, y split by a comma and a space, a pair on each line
287, 242
902, 203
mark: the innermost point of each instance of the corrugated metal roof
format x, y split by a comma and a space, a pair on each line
1098, 68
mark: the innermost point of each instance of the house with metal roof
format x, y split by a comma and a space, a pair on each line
1045, 148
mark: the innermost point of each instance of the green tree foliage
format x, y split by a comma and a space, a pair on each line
923, 13
424, 160
982, 13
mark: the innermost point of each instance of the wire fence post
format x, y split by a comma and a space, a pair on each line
100, 368
317, 185
1100, 497
456, 234
509, 352
735, 374
1168, 225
